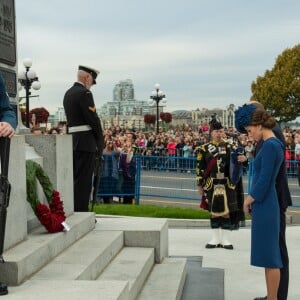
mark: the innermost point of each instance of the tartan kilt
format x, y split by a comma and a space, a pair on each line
222, 198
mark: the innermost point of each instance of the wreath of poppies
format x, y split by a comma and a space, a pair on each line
52, 216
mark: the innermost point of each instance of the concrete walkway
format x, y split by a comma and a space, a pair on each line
242, 281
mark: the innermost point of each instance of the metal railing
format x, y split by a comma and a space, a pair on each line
166, 177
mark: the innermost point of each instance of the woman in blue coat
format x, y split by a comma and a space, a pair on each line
262, 200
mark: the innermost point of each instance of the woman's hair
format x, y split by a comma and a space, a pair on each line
262, 117
54, 129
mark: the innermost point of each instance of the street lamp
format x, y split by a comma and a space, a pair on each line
28, 79
156, 97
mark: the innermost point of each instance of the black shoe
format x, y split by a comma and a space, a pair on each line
228, 247
261, 298
3, 289
212, 246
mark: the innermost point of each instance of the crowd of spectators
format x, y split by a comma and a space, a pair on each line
170, 150
173, 142
60, 128
184, 142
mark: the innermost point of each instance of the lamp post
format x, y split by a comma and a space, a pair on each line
156, 97
28, 79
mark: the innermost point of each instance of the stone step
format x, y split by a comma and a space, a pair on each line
207, 282
85, 259
132, 264
69, 290
41, 247
166, 280
140, 232
204, 283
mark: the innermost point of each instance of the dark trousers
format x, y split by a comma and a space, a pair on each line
284, 271
83, 169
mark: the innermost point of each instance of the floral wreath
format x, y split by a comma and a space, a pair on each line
52, 217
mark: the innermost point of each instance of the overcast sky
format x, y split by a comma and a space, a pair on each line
204, 53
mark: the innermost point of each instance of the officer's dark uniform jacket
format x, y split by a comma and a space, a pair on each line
213, 174
80, 110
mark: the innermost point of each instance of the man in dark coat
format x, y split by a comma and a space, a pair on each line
8, 122
284, 200
85, 127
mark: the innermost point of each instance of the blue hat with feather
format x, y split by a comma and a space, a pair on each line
243, 116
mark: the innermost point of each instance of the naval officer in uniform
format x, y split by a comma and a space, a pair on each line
85, 127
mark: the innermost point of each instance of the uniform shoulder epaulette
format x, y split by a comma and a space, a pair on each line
92, 108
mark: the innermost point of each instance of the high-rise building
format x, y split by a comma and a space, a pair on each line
123, 91
124, 109
123, 103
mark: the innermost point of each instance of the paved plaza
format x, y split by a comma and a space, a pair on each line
242, 281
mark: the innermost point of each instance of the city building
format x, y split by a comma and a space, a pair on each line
125, 110
123, 91
58, 116
203, 116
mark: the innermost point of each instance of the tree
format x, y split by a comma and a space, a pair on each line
149, 119
279, 89
166, 117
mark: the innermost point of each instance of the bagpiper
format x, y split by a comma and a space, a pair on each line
213, 180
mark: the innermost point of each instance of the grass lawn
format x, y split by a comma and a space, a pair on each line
150, 211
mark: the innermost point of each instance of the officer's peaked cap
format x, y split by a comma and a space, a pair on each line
91, 71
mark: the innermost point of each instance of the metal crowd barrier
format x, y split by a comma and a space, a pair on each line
165, 176
116, 183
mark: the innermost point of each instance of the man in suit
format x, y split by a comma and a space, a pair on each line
85, 127
8, 122
284, 200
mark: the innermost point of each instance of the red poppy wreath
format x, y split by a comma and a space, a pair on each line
52, 217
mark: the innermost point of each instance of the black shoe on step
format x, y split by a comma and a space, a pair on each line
261, 298
3, 289
228, 247
212, 246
